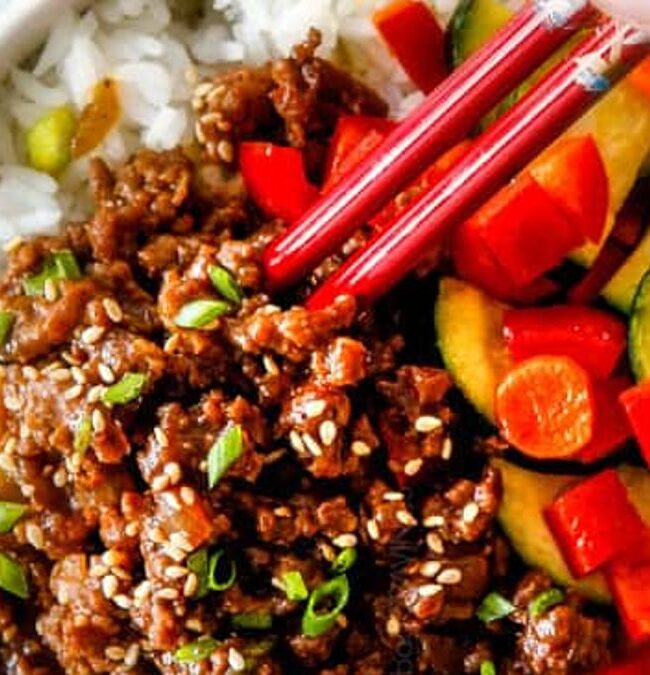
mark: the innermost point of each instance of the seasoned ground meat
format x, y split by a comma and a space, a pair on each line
191, 488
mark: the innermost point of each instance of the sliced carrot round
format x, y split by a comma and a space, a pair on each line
545, 407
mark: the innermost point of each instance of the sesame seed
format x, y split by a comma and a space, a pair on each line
373, 529
34, 535
98, 421
173, 470
314, 408
112, 558
122, 601
95, 393
7, 464
270, 365
345, 541
78, 375
328, 552
175, 553
73, 392
115, 653
393, 496
433, 521
92, 334
198, 132
427, 423
429, 590
142, 590
235, 660
180, 540
342, 621
172, 501
12, 402
131, 529
413, 466
406, 518
361, 449
176, 572
132, 655
12, 244
447, 449
110, 584
282, 512
450, 577
430, 568
60, 477
225, 151
393, 627
167, 594
327, 432
160, 483
190, 586
203, 89
121, 573
98, 571
113, 310
296, 441
106, 374
312, 445
157, 536
30, 373
161, 437
10, 446
50, 290
188, 496
470, 512
194, 625
434, 542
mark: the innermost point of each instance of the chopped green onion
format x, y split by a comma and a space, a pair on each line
10, 514
294, 586
544, 601
196, 651
83, 435
200, 313
488, 668
253, 621
260, 647
226, 284
126, 390
228, 448
12, 577
217, 580
344, 560
6, 324
49, 140
337, 590
198, 563
57, 266
494, 607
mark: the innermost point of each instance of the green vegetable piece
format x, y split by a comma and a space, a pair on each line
83, 435
253, 621
344, 560
639, 338
488, 668
6, 324
294, 586
10, 514
228, 448
494, 607
226, 284
12, 577
545, 601
198, 563
56, 266
196, 651
473, 23
220, 579
201, 313
49, 140
126, 390
66, 265
336, 591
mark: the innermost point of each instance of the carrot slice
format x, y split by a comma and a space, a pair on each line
545, 407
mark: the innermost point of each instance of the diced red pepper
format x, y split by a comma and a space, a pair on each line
637, 663
611, 427
629, 580
525, 230
572, 173
594, 338
354, 138
413, 35
594, 522
275, 179
636, 402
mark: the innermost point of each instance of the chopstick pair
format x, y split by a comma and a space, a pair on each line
445, 117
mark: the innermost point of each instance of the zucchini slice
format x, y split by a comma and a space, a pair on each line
639, 339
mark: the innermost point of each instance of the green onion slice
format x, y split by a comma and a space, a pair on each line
344, 560
6, 324
198, 563
334, 592
56, 266
125, 390
294, 586
488, 668
494, 607
10, 514
226, 284
253, 621
83, 435
545, 601
200, 313
196, 651
66, 265
227, 449
12, 577
221, 576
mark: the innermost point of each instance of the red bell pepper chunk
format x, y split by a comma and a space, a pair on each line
593, 338
572, 173
275, 179
354, 138
637, 663
629, 581
611, 427
413, 35
525, 230
594, 522
636, 402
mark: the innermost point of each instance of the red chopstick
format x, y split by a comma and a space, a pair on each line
512, 141
446, 116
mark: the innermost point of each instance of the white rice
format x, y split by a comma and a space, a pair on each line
157, 59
